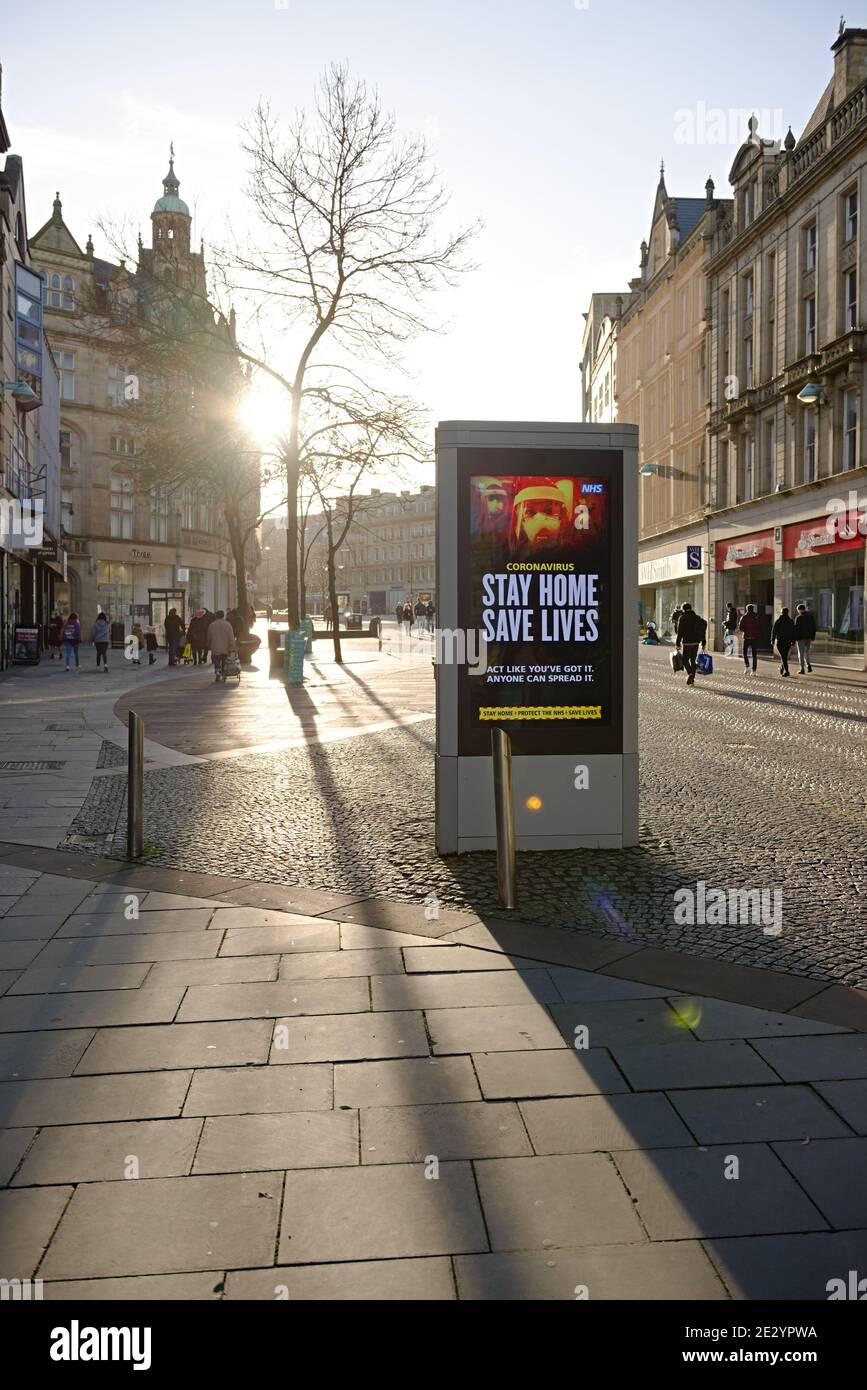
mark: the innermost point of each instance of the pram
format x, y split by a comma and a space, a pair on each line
232, 666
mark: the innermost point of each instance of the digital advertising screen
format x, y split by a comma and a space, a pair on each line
540, 556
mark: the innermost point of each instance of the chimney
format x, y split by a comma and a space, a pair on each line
850, 63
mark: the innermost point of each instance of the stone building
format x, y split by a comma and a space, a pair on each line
599, 358
787, 362
662, 388
134, 552
388, 556
31, 558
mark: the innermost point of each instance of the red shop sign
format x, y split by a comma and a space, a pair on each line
819, 537
757, 549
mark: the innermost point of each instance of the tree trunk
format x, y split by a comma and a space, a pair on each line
291, 460
236, 540
332, 589
302, 567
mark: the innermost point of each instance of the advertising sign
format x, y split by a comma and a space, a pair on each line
540, 580
26, 649
757, 549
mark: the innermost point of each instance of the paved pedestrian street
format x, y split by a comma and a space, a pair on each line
336, 1118
256, 1065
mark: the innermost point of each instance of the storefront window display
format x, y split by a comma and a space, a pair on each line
745, 570
826, 572
656, 603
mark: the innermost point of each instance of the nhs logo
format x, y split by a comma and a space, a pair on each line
592, 487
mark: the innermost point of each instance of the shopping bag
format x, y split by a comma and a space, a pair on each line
704, 663
676, 660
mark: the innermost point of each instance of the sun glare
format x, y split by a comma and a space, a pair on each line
265, 411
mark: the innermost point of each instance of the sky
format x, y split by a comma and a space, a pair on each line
547, 119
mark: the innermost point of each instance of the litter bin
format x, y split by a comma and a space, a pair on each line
307, 625
293, 660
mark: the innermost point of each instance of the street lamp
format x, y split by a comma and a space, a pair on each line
812, 395
21, 392
647, 469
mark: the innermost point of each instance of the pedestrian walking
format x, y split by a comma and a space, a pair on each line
407, 617
783, 634
151, 643
100, 633
138, 643
691, 634
730, 627
72, 639
420, 612
269, 612
221, 641
675, 619
174, 635
329, 614
197, 635
805, 632
431, 614
55, 635
750, 626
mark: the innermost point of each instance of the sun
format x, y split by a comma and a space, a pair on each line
264, 412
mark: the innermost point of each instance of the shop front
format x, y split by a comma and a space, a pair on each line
824, 568
745, 574
666, 582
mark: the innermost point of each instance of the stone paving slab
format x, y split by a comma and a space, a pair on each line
682, 1194
17, 955
151, 1288
786, 1269
816, 1059
848, 1099
516, 1075
621, 1021
753, 1114
166, 1225
284, 897
7, 979
670, 1066
282, 999
677, 972
578, 986
833, 1172
422, 1081
598, 1124
101, 1152
40, 928
357, 936
404, 917
314, 1139
545, 945
24, 1055
463, 990
327, 965
350, 1038
472, 1129
81, 978
713, 1019
248, 941
218, 1044
262, 1090
426, 959
221, 971
27, 1222
119, 950
388, 1212
663, 1271
404, 1280
839, 1004
503, 1028
14, 1143
241, 918
96, 1009
546, 1203
104, 924
94, 1099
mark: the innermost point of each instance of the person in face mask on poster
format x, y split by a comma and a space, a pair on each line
540, 518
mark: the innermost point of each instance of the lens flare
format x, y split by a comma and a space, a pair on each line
533, 803
688, 1013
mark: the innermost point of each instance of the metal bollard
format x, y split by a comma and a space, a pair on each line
501, 754
135, 787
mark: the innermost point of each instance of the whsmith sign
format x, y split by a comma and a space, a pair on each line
536, 572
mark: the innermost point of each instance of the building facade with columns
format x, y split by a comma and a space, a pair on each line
787, 356
133, 552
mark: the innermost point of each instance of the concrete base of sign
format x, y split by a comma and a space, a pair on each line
551, 811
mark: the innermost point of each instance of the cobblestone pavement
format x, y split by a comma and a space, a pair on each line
756, 784
204, 1101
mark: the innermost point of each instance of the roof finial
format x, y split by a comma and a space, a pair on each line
753, 125
662, 168
842, 28
172, 152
